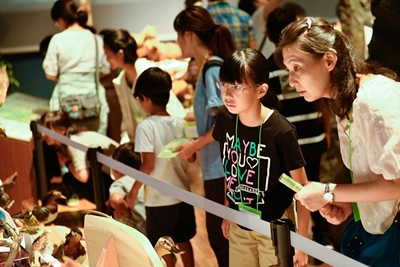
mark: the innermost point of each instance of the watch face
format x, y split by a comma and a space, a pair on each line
328, 197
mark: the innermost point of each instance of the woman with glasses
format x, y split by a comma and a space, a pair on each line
257, 145
200, 38
365, 98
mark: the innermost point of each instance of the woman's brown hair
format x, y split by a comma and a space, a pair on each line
316, 36
215, 37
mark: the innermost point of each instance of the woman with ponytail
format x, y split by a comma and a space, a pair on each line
200, 38
71, 61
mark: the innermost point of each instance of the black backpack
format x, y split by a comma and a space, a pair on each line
213, 62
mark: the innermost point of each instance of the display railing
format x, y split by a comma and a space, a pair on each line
97, 159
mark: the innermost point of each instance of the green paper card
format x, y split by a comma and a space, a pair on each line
167, 151
291, 183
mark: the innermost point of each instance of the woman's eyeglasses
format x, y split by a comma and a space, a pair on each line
236, 88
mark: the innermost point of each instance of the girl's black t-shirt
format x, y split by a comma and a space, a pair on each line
253, 178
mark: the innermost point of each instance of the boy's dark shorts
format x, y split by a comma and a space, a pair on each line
177, 221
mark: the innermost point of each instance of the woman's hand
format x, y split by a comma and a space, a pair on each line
336, 213
225, 228
300, 259
312, 196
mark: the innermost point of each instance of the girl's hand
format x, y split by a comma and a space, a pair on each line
225, 228
300, 259
336, 213
186, 150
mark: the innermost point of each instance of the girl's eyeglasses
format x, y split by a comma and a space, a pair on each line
236, 88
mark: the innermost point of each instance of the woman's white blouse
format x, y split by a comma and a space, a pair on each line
375, 140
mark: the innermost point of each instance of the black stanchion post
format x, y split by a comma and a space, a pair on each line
40, 169
280, 235
98, 180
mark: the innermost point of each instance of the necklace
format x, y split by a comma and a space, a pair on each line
258, 158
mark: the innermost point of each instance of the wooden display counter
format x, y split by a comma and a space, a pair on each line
17, 156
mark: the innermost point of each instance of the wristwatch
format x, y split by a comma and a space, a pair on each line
328, 196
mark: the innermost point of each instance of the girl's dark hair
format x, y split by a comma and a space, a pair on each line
116, 39
68, 11
155, 84
248, 65
60, 119
320, 38
126, 154
215, 37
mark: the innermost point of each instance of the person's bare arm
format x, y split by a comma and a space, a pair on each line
377, 190
303, 214
51, 77
187, 149
85, 6
80, 175
146, 167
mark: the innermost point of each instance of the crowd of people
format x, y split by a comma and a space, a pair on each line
264, 95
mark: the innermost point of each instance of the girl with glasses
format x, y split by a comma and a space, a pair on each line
257, 146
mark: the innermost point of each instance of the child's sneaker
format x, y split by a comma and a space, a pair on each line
73, 200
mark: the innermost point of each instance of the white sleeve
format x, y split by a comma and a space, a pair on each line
144, 138
50, 63
104, 65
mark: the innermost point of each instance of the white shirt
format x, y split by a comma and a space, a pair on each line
375, 137
152, 135
73, 51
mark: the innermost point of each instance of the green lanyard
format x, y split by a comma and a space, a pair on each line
237, 161
356, 212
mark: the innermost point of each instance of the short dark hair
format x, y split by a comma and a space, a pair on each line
297, 9
277, 20
126, 154
44, 44
247, 6
155, 84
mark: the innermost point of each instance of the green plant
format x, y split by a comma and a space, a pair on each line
13, 80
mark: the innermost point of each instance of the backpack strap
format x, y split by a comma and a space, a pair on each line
213, 62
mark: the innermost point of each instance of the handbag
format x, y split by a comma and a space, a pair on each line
372, 250
83, 106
